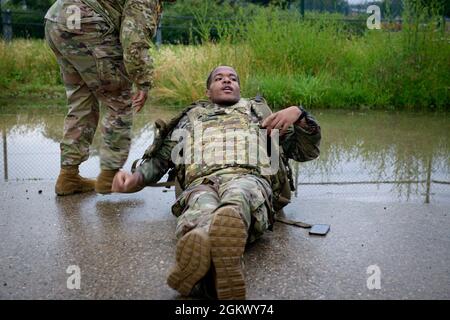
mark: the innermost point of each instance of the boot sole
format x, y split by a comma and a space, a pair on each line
100, 190
193, 260
68, 193
228, 236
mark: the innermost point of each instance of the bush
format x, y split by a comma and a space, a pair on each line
316, 61
199, 21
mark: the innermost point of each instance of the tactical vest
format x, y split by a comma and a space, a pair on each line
203, 116
221, 138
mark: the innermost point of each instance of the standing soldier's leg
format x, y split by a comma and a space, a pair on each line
80, 122
114, 91
96, 54
242, 211
193, 257
105, 75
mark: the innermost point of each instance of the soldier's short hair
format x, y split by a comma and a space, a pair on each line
209, 80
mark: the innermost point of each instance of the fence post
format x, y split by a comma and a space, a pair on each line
443, 24
159, 33
302, 8
7, 25
5, 154
427, 194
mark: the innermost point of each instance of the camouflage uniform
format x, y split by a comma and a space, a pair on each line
99, 62
208, 187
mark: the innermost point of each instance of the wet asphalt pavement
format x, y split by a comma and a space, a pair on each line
124, 246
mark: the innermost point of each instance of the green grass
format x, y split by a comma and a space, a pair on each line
318, 62
27, 66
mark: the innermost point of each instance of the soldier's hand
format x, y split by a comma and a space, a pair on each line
281, 120
125, 182
139, 99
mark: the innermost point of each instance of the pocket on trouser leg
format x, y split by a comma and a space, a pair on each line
259, 216
244, 193
260, 223
116, 133
198, 212
111, 72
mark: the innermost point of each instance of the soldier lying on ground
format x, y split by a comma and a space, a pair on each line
102, 49
223, 204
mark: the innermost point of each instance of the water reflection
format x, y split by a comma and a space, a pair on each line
381, 147
401, 154
31, 141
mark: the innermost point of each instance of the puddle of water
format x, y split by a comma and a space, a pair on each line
393, 148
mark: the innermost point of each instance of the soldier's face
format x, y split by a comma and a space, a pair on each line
224, 88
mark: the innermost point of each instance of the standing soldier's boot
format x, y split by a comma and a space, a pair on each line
104, 181
70, 182
228, 236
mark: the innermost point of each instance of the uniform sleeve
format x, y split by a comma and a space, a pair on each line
139, 22
156, 167
302, 144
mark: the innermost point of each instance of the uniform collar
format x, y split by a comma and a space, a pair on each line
242, 103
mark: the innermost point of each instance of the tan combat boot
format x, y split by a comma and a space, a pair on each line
228, 236
193, 260
104, 181
70, 182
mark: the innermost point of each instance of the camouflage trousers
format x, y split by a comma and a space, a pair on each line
246, 193
93, 72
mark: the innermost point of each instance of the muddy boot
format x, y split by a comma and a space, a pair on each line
193, 260
70, 182
104, 181
228, 236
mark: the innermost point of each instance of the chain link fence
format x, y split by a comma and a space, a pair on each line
176, 28
30, 151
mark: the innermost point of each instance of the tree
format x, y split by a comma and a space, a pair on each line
41, 5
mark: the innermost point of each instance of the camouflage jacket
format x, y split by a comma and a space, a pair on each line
298, 143
135, 22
